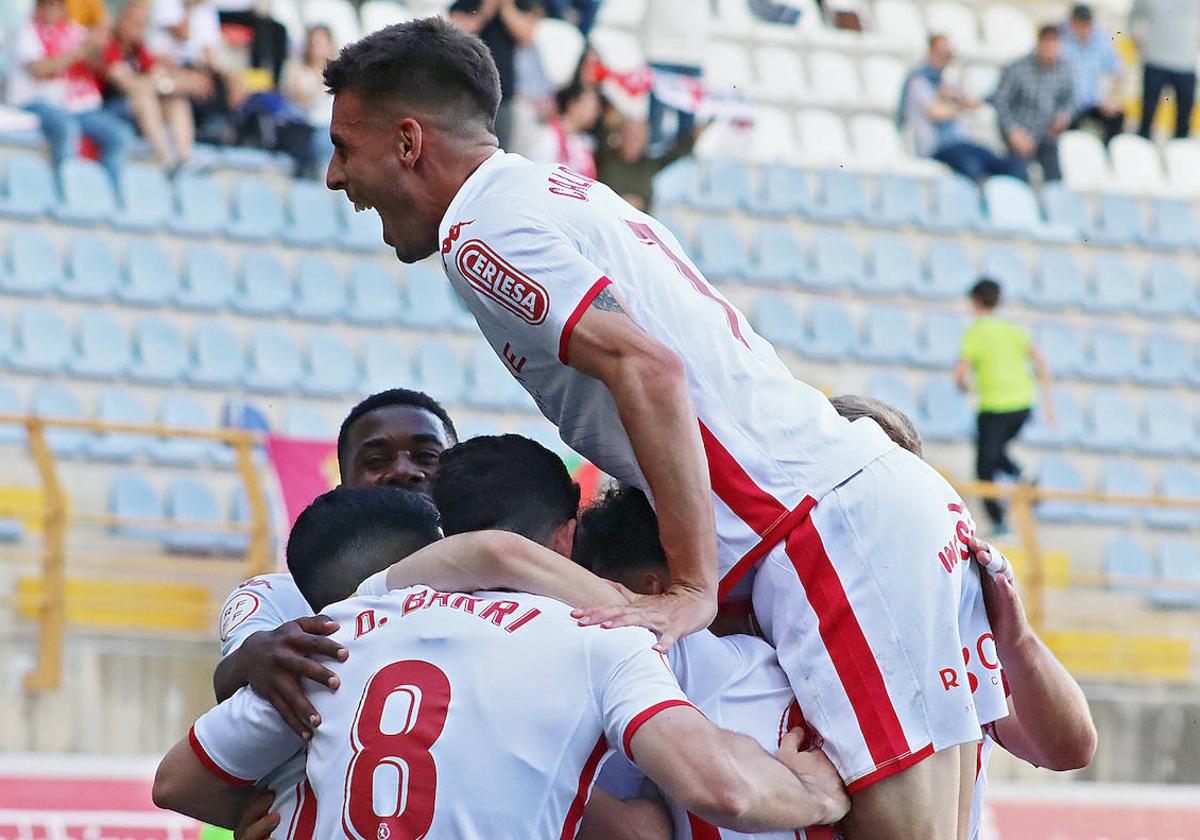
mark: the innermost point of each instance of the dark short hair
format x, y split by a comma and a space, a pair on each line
1048, 30
986, 293
1082, 13
618, 534
506, 483
564, 97
934, 37
350, 533
386, 399
894, 422
428, 63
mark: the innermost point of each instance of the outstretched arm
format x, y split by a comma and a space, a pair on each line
184, 785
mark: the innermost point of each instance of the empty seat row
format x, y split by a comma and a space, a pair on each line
186, 503
1178, 482
1130, 164
1169, 577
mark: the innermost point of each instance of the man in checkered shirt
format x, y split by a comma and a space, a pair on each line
1034, 103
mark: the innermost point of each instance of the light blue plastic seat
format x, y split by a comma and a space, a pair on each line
1067, 209
1170, 428
1169, 360
87, 193
51, 400
10, 403
1062, 347
950, 272
776, 320
312, 216
1174, 225
1012, 208
779, 257
940, 339
1170, 291
31, 189
946, 414
1128, 564
428, 300
183, 411
901, 202
1119, 478
160, 354
34, 266
102, 347
131, 496
191, 502
146, 199
218, 360
1059, 281
1116, 287
1010, 270
837, 262
893, 390
894, 267
440, 370
843, 197
6, 339
1178, 481
150, 278
95, 271
361, 232
957, 205
1056, 473
374, 294
1121, 221
207, 281
243, 414
239, 514
677, 184
266, 288
888, 336
257, 211
725, 186
304, 422
718, 251
42, 342
118, 406
273, 366
492, 383
320, 291
1114, 422
1113, 357
829, 333
331, 369
784, 191
202, 207
1178, 561
1069, 430
385, 365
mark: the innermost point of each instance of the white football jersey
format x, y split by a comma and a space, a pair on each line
458, 716
529, 247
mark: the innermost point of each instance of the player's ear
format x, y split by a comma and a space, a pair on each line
409, 140
563, 540
652, 582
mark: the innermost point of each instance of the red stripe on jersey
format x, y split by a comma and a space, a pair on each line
586, 777
306, 813
564, 341
848, 648
702, 830
816, 832
212, 766
890, 769
642, 717
978, 760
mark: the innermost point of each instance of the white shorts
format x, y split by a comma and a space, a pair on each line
876, 613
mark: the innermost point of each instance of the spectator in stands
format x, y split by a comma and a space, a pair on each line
1097, 70
1035, 103
1167, 33
304, 85
676, 40
185, 36
931, 112
52, 78
998, 354
583, 12
269, 38
623, 164
138, 89
503, 25
567, 137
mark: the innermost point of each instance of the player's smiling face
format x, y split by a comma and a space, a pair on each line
397, 445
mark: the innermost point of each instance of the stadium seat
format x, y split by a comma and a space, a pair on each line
189, 502
719, 252
10, 403
1170, 428
1056, 473
836, 261
893, 267
1007, 267
945, 412
1061, 345
1008, 33
218, 360
146, 199
957, 205
1136, 165
257, 211
775, 318
901, 202
950, 272
360, 231
31, 190
843, 197
677, 184
6, 339
882, 78
94, 270
894, 391
1058, 282
956, 21
131, 496
53, 401
119, 407
878, 147
900, 24
1116, 287
784, 191
330, 369
41, 343
1181, 482
87, 194
34, 267
182, 411
1114, 422
439, 369
1084, 162
206, 282
320, 291
428, 299
491, 384
312, 216
338, 15
1170, 291
725, 186
1012, 208
888, 336
1113, 356
1182, 158
836, 81
779, 74
829, 333
1069, 429
159, 352
1178, 561
384, 364
1119, 478
273, 365
1127, 563
102, 349
150, 278
1174, 225
202, 208
265, 286
1121, 221
778, 257
306, 423
771, 139
1067, 210
940, 339
1168, 360
374, 294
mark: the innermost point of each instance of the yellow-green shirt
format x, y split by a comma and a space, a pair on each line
998, 353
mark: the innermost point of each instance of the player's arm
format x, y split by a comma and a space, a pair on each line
609, 818
1049, 722
184, 785
1042, 370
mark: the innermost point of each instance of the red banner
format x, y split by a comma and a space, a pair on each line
305, 468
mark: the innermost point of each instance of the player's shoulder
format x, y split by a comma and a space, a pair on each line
271, 598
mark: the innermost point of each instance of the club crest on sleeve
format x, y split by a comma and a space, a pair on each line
240, 607
492, 276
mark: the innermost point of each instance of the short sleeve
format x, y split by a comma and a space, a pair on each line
243, 739
634, 683
374, 586
247, 610
970, 345
520, 268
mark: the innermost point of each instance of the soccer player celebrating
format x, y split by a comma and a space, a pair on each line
651, 374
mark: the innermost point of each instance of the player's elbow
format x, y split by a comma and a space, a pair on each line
1075, 752
726, 798
657, 368
166, 790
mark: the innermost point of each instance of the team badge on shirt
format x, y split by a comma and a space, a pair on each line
240, 607
490, 275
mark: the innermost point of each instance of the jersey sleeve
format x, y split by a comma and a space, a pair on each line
525, 273
969, 350
247, 610
243, 739
374, 586
633, 681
